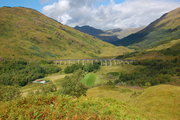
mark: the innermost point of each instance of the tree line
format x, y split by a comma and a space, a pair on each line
154, 72
19, 72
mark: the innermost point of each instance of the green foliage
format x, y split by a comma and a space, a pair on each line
73, 68
72, 84
113, 75
110, 83
91, 67
154, 72
161, 66
89, 80
19, 72
9, 93
87, 68
49, 68
45, 62
46, 88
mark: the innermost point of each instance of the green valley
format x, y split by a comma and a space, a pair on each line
51, 71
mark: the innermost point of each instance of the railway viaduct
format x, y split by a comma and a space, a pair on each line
103, 62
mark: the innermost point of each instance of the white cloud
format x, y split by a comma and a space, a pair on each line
130, 13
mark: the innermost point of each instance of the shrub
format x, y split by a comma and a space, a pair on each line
72, 84
87, 68
110, 83
73, 68
113, 75
9, 93
49, 68
147, 84
154, 72
91, 67
46, 88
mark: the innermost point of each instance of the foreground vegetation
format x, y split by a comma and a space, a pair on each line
67, 108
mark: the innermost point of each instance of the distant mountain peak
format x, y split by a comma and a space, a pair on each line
110, 36
89, 30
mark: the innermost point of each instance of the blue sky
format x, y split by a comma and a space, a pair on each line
35, 4
38, 4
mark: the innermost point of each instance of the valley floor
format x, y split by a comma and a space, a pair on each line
161, 102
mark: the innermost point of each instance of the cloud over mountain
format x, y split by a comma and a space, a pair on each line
128, 14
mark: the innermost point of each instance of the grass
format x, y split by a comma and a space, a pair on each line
118, 68
164, 54
91, 80
160, 102
156, 103
126, 68
165, 46
119, 93
100, 77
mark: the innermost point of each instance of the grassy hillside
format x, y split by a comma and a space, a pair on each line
167, 51
160, 102
28, 34
155, 103
169, 45
163, 30
54, 107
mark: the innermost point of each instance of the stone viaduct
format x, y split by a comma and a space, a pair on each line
103, 62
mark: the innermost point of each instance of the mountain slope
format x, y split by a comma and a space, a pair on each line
28, 34
89, 30
122, 33
98, 33
110, 36
164, 29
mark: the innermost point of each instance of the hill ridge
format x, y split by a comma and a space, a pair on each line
28, 34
